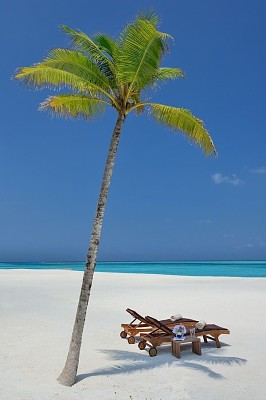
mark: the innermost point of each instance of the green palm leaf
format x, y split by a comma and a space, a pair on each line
169, 73
184, 121
77, 63
41, 76
73, 105
141, 52
149, 16
107, 44
64, 68
84, 43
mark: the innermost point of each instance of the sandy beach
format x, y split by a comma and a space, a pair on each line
37, 311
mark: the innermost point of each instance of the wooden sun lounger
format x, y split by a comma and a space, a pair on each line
212, 332
139, 324
163, 334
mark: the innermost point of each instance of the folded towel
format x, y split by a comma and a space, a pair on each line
176, 317
200, 324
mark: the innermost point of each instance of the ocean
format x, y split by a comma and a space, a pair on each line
255, 269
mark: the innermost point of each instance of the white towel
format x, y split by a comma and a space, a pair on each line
176, 317
200, 324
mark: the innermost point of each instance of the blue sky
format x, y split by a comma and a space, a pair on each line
167, 201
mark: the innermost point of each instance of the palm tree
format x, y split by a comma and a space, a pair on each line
101, 71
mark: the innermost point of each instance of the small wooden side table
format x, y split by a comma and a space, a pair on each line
196, 345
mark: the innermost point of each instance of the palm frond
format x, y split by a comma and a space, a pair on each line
77, 63
61, 73
149, 16
84, 43
184, 121
142, 47
107, 44
73, 106
40, 76
169, 73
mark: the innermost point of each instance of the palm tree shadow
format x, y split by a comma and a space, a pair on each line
130, 362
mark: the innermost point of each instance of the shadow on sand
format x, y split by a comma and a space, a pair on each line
128, 361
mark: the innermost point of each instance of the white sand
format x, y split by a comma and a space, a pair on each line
37, 311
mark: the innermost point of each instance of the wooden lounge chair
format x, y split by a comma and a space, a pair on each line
139, 324
163, 334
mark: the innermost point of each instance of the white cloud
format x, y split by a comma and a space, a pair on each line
256, 244
204, 221
260, 170
219, 178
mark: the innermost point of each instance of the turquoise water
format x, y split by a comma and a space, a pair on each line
203, 268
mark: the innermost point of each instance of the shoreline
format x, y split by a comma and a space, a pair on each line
134, 273
247, 269
37, 309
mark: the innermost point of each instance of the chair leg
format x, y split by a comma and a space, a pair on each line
218, 344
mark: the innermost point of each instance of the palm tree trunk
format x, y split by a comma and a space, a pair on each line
68, 375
